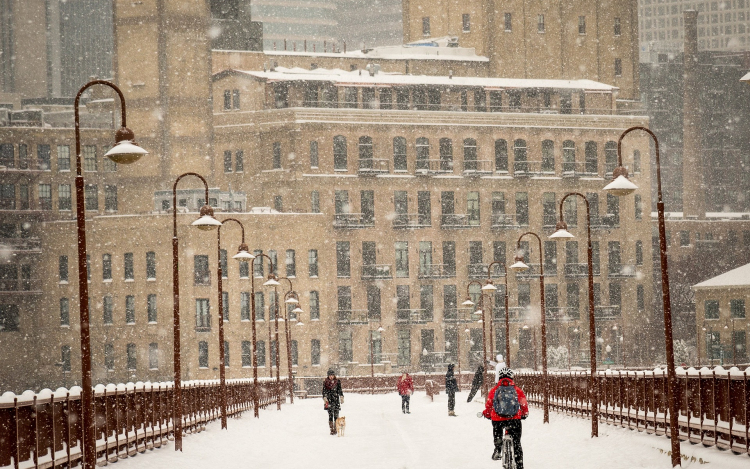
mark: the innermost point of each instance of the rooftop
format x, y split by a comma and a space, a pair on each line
739, 277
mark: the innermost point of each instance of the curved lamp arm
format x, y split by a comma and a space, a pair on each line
174, 197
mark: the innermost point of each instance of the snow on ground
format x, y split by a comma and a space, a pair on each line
378, 435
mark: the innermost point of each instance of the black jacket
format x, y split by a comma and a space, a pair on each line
478, 377
451, 385
331, 392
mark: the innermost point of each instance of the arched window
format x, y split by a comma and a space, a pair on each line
592, 158
446, 155
399, 154
520, 162
501, 155
610, 157
569, 157
470, 154
339, 152
423, 153
548, 156
365, 153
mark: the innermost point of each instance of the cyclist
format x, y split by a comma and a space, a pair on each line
506, 412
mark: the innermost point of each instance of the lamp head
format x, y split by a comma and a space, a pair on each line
297, 310
380, 329
125, 151
620, 184
519, 265
561, 231
206, 222
292, 301
468, 302
489, 286
243, 254
746, 78
271, 282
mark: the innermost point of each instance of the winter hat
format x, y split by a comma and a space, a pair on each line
505, 373
450, 367
331, 372
499, 358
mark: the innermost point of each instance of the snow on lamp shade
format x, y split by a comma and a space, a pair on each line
561, 231
125, 152
292, 301
519, 265
489, 287
206, 222
468, 302
620, 186
271, 282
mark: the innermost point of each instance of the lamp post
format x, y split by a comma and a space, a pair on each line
621, 186
468, 302
206, 222
520, 266
507, 317
372, 361
290, 298
252, 319
563, 233
242, 255
272, 282
125, 151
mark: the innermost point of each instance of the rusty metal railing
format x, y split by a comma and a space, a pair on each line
714, 404
44, 429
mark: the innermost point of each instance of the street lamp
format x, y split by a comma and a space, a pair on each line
520, 266
252, 319
125, 151
206, 222
563, 233
272, 282
489, 288
468, 302
290, 298
507, 314
622, 186
241, 255
372, 360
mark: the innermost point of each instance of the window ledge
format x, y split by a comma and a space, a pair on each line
65, 326
152, 322
151, 279
130, 324
313, 276
153, 369
63, 282
109, 280
128, 280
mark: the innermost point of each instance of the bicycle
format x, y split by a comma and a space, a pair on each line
507, 454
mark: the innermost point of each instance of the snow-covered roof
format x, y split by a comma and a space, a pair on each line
739, 277
364, 78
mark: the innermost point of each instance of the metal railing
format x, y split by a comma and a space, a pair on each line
503, 221
713, 405
353, 316
411, 220
607, 312
373, 166
433, 167
413, 316
20, 285
576, 169
437, 271
532, 168
376, 271
457, 221
562, 313
605, 222
622, 271
531, 272
478, 167
25, 164
21, 244
518, 313
352, 221
44, 429
580, 270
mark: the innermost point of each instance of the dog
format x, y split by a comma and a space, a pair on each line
340, 426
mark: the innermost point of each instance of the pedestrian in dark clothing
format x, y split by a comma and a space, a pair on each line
333, 397
451, 387
477, 382
512, 423
405, 388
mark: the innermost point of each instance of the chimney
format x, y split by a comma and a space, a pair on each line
693, 194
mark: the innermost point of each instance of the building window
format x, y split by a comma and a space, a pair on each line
339, 153
202, 314
581, 25
9, 318
549, 212
201, 274
107, 267
638, 207
404, 347
151, 308
260, 306
314, 305
315, 352
618, 28
711, 309
64, 312
109, 357
226, 354
291, 263
540, 23
227, 161
737, 308
278, 203
239, 161
132, 357
472, 208
508, 23
636, 161
130, 309
244, 269
91, 197
110, 198
65, 358
343, 264
129, 273
151, 265
45, 196
399, 154
402, 259
426, 26
227, 100
108, 307
313, 154
315, 202
153, 356
64, 197
235, 99
203, 354
640, 297
466, 22
89, 158
276, 155
618, 67
247, 353
312, 262
638, 253
548, 156
522, 208
244, 306
62, 267
63, 157
501, 155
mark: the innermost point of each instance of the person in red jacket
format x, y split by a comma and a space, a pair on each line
405, 388
510, 422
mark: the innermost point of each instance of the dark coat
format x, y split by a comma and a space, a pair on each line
331, 392
451, 385
478, 378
